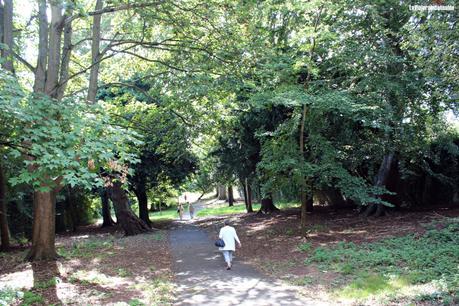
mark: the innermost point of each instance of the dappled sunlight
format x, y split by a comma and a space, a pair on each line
18, 280
203, 280
95, 276
372, 288
237, 290
348, 232
214, 257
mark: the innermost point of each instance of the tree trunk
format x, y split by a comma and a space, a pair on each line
4, 231
249, 197
244, 192
6, 37
379, 209
303, 195
304, 210
142, 198
44, 222
6, 34
332, 197
42, 60
267, 205
2, 10
230, 195
95, 55
54, 49
71, 208
221, 192
310, 204
106, 214
126, 218
66, 54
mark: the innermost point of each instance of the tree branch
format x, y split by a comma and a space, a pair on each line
112, 9
23, 61
158, 61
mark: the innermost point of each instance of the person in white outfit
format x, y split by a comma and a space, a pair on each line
229, 236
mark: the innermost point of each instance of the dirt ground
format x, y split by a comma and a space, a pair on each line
98, 267
270, 242
101, 267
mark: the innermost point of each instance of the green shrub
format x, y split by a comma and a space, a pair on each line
31, 298
135, 302
305, 247
431, 257
7, 296
47, 284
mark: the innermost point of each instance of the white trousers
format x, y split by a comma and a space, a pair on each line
228, 255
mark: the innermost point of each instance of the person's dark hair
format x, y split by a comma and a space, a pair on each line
226, 222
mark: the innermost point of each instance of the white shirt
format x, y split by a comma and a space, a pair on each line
229, 236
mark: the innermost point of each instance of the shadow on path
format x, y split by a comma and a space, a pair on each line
203, 280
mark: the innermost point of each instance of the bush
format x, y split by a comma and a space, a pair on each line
431, 257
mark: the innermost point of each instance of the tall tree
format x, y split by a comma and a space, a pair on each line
6, 38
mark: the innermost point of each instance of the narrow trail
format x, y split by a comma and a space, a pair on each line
203, 280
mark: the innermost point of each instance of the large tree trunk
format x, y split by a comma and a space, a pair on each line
310, 204
2, 26
332, 197
44, 222
267, 205
141, 194
310, 200
106, 214
46, 82
42, 60
4, 231
249, 196
95, 54
379, 209
71, 208
244, 190
221, 192
129, 222
66, 53
6, 37
54, 50
6, 34
230, 195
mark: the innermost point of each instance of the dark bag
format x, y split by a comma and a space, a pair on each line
220, 243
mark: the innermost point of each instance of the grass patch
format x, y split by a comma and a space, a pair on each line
86, 249
159, 236
135, 302
158, 291
390, 264
278, 266
47, 284
439, 298
89, 277
8, 296
123, 272
303, 281
238, 208
31, 298
368, 285
169, 213
315, 228
305, 247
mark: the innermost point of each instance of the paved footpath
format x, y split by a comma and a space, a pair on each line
203, 280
